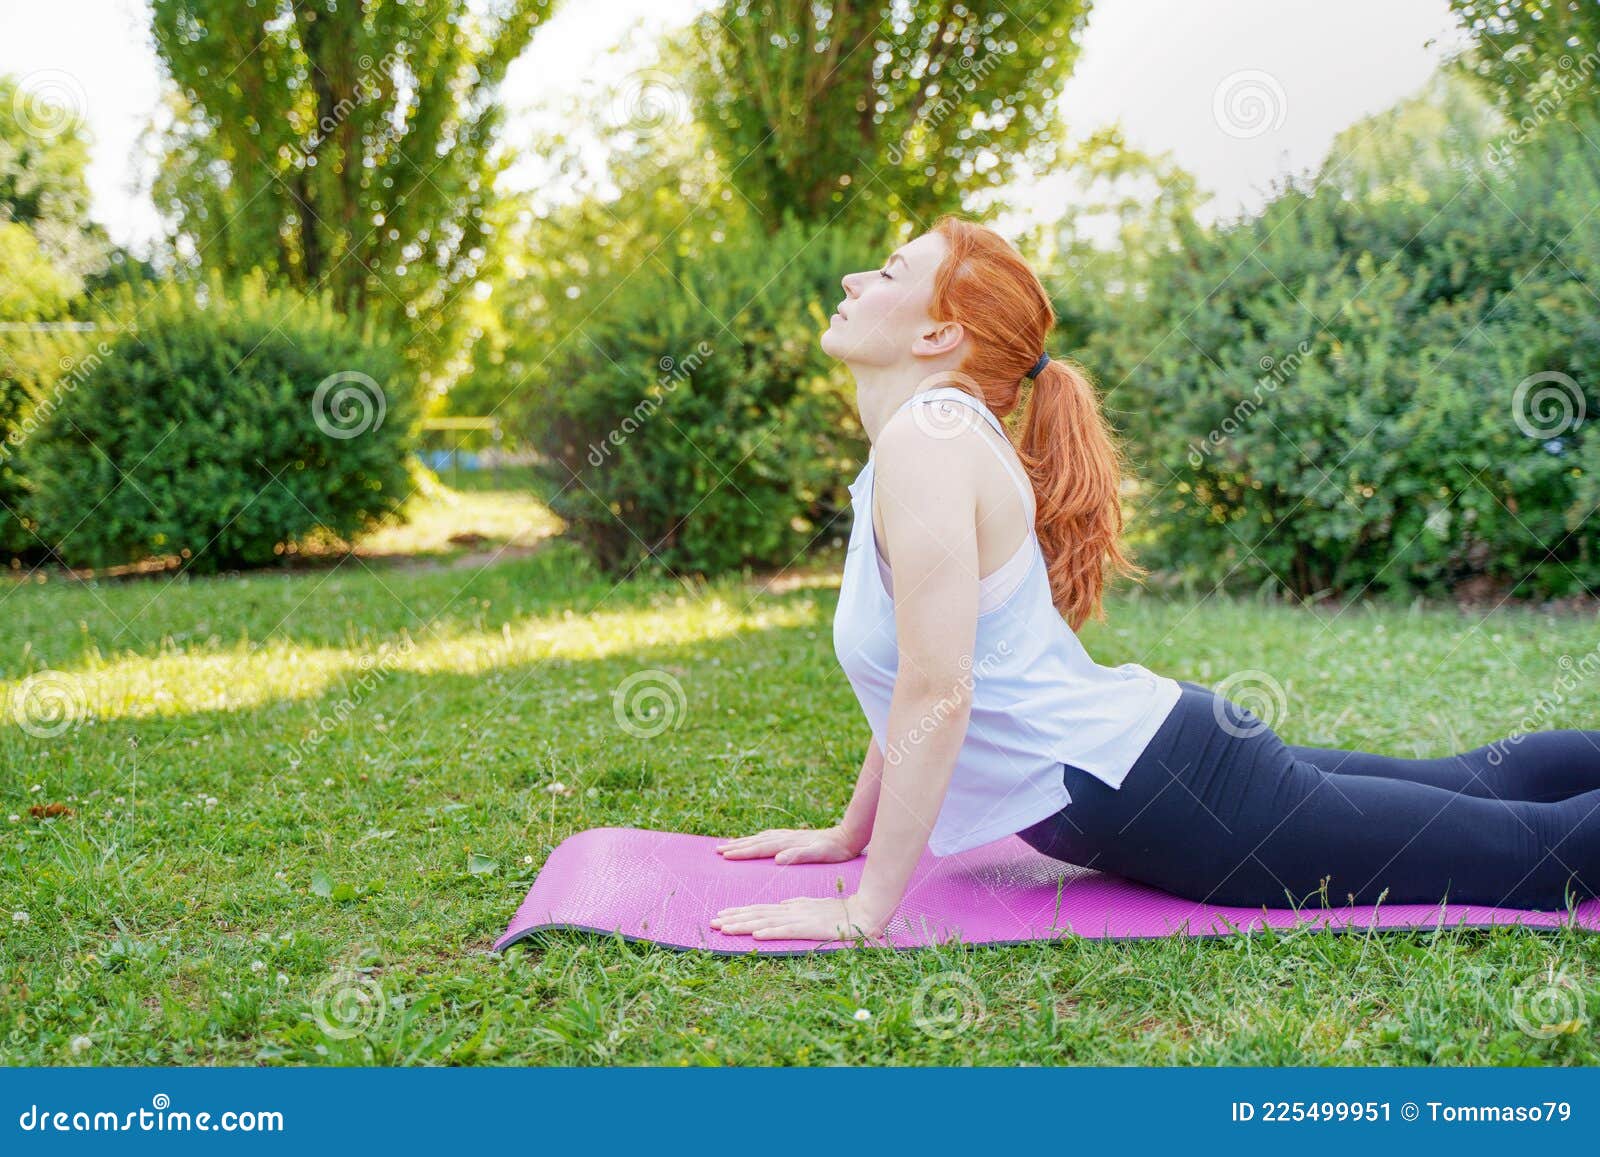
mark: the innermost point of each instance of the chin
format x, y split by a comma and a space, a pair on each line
831, 344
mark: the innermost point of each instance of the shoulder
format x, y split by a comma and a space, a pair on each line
935, 430
925, 451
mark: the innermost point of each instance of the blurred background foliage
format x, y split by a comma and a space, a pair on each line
1378, 382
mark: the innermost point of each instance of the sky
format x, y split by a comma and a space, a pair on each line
1240, 92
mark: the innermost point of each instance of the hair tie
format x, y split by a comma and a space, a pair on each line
1038, 366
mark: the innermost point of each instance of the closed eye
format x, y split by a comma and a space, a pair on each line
885, 274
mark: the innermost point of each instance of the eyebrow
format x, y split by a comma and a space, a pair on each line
896, 257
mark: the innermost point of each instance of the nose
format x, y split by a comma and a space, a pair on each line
850, 281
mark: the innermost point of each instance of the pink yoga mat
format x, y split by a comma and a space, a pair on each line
665, 887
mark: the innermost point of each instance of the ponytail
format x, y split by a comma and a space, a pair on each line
1066, 445
1077, 468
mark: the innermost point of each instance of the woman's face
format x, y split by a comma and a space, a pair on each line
884, 318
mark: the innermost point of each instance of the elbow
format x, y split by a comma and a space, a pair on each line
945, 694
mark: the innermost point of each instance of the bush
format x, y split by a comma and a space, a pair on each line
1374, 389
688, 415
224, 425
38, 368
33, 355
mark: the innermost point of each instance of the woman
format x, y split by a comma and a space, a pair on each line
987, 716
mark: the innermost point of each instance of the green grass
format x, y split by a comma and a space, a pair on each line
336, 781
508, 520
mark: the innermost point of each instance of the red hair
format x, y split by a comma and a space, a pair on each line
1067, 446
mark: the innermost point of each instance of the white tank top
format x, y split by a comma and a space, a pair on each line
1038, 699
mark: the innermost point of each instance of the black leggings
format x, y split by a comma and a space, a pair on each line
1218, 809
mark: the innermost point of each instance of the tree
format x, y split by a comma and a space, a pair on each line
1538, 58
1131, 209
889, 112
346, 146
43, 158
49, 254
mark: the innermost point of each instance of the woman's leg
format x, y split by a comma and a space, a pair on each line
1228, 815
1540, 766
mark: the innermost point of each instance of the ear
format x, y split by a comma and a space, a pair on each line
942, 338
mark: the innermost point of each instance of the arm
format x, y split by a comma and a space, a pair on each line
929, 505
856, 826
930, 523
832, 845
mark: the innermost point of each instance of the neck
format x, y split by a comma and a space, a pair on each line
882, 390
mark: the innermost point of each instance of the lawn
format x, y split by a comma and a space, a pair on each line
304, 803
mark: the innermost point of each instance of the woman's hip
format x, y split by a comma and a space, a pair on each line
1212, 768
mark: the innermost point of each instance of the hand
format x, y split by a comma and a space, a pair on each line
801, 918
793, 846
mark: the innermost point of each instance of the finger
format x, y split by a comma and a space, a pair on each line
746, 910
789, 932
762, 835
743, 919
812, 853
753, 846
